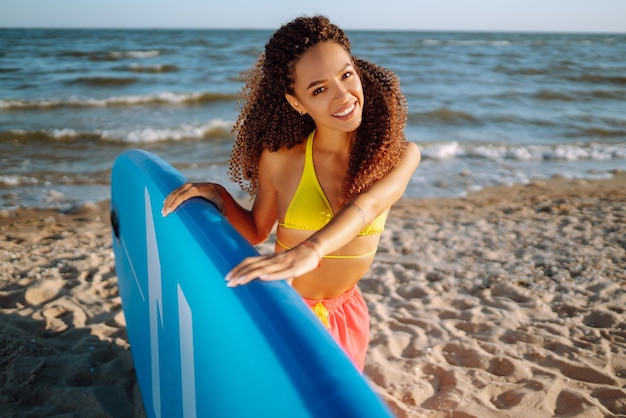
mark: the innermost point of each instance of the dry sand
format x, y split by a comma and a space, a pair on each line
508, 303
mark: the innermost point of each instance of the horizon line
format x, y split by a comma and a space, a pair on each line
347, 29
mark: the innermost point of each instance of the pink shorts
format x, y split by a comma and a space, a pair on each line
348, 321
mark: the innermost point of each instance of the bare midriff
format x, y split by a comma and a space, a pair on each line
335, 276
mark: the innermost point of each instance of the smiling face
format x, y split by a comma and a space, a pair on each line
328, 88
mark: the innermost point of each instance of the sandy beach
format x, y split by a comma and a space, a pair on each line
510, 302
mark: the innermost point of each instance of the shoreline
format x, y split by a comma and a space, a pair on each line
508, 302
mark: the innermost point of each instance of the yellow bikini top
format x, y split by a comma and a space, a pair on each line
309, 208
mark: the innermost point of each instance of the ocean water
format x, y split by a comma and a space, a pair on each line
485, 108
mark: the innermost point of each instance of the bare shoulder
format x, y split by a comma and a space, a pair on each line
274, 160
277, 164
412, 156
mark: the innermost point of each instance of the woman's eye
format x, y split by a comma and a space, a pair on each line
346, 75
318, 91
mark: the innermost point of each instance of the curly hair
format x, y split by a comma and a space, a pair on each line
267, 121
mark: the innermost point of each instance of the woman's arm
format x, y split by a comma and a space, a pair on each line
255, 224
341, 230
363, 209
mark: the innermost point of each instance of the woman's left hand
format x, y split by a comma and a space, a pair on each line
283, 265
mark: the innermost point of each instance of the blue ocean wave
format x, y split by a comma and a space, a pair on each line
163, 98
216, 129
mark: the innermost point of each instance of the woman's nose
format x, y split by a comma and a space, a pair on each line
341, 91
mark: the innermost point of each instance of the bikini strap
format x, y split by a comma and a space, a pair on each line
331, 257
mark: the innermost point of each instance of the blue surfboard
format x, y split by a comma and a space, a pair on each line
200, 348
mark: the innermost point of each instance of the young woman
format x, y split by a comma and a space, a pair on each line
320, 145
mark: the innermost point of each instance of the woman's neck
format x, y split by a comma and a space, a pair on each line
334, 141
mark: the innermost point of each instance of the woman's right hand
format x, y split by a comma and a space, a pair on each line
209, 191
